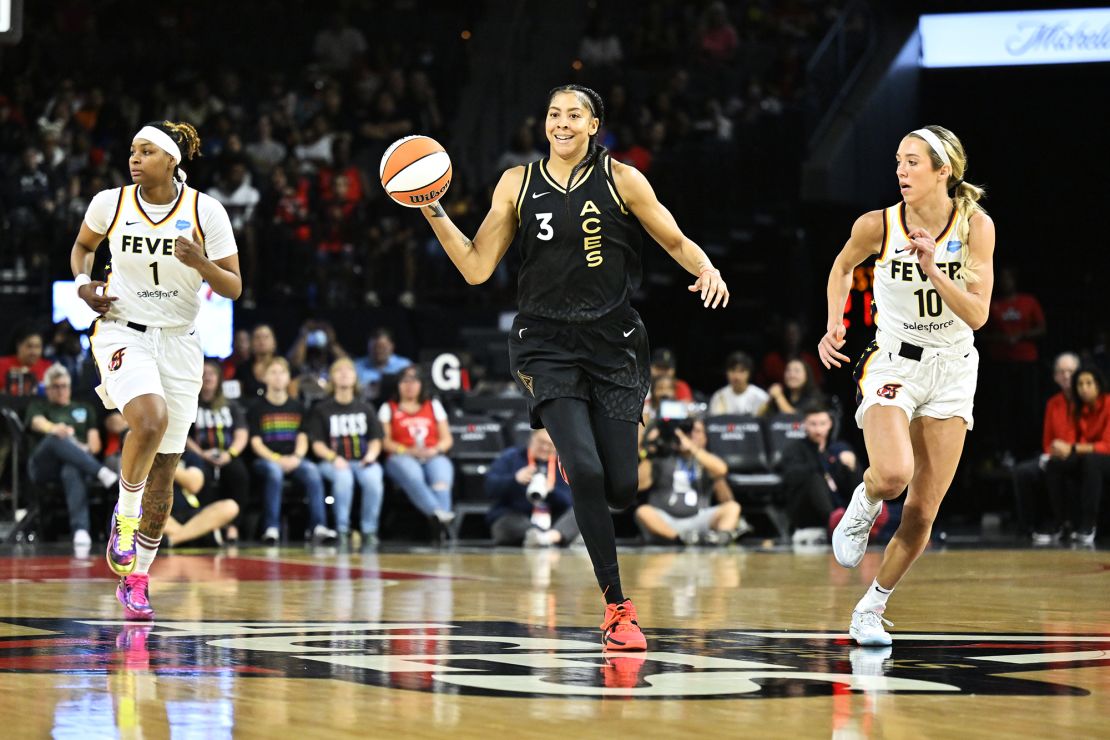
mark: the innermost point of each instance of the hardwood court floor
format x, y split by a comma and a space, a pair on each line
490, 644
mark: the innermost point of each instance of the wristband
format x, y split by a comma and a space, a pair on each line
233, 452
80, 280
1075, 449
275, 456
400, 448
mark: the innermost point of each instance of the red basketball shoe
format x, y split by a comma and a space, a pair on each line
620, 630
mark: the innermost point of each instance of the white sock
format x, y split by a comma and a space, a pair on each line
145, 551
875, 598
130, 497
870, 503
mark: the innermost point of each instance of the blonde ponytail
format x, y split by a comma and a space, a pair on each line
965, 194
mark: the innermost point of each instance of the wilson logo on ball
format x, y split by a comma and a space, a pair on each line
415, 171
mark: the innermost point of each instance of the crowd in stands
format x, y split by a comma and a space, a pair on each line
300, 437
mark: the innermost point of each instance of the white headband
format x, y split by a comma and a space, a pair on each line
934, 141
163, 141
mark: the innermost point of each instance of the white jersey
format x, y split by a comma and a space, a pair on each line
907, 306
155, 288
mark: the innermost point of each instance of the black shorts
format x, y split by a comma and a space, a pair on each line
604, 362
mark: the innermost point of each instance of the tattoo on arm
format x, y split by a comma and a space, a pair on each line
437, 211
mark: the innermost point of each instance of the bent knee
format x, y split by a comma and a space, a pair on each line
888, 480
229, 509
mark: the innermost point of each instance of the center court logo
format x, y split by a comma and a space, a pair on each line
510, 659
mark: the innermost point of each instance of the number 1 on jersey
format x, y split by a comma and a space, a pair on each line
154, 266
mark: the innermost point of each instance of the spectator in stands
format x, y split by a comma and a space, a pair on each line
217, 440
600, 45
717, 37
1080, 459
663, 363
531, 501
310, 357
819, 475
240, 198
739, 396
1016, 322
25, 370
662, 389
679, 476
67, 442
194, 514
265, 153
346, 438
1028, 475
796, 391
29, 201
773, 367
279, 443
522, 147
339, 45
240, 353
251, 374
65, 349
381, 365
417, 439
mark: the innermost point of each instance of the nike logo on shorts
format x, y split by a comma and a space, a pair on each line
521, 332
537, 195
629, 332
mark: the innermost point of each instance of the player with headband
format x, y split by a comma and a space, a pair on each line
916, 381
163, 238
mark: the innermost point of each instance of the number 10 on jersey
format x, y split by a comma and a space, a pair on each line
928, 302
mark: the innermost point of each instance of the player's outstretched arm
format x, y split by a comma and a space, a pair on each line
866, 239
477, 258
80, 262
660, 224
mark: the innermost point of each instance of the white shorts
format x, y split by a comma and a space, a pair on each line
163, 362
941, 385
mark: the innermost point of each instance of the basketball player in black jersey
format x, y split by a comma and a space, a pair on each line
578, 349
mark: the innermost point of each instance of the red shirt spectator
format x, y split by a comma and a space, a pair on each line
420, 429
1058, 422
1016, 319
23, 372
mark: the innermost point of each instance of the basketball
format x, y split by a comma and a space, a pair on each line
415, 171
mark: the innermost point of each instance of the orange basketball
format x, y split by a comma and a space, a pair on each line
415, 171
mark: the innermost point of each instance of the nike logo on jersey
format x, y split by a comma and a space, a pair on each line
899, 251
521, 332
629, 332
130, 223
537, 195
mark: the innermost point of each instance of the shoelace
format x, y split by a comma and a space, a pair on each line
874, 620
859, 522
137, 584
127, 526
615, 617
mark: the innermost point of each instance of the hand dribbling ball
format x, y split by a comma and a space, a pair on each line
415, 171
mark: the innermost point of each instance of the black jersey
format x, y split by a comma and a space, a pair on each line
578, 263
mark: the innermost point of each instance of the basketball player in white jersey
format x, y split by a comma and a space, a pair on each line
165, 238
916, 381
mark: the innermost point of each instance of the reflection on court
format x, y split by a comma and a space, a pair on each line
483, 643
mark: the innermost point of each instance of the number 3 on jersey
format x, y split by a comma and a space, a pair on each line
546, 232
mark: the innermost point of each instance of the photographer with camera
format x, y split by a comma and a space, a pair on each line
680, 477
531, 501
